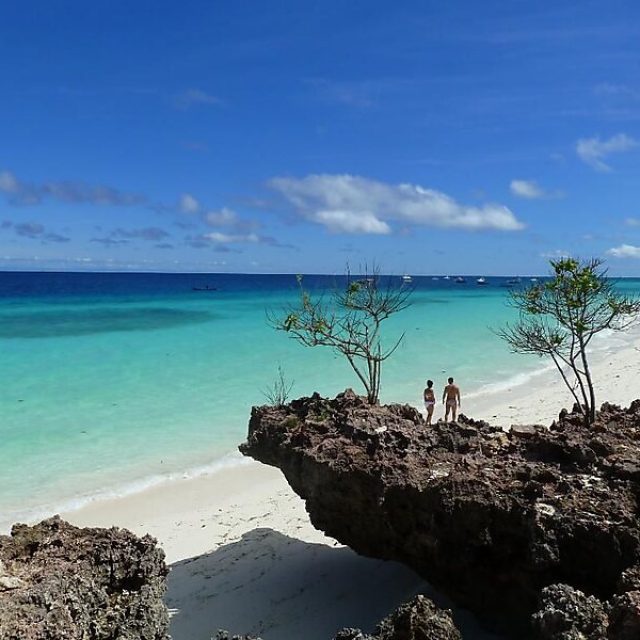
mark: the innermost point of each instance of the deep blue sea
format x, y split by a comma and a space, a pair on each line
111, 381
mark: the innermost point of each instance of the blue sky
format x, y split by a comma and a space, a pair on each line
297, 136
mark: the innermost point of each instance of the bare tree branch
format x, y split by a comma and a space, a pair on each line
560, 317
349, 323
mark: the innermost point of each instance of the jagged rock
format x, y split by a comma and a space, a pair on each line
419, 619
10, 582
629, 580
490, 517
79, 584
624, 617
524, 430
568, 614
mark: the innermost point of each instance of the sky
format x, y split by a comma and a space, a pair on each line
296, 136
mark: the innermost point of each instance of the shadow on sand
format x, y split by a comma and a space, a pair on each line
281, 588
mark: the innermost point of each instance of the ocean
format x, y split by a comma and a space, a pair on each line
111, 382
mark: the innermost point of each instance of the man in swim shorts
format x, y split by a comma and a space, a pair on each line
451, 400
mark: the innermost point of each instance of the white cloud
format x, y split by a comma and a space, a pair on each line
229, 238
222, 217
632, 222
593, 151
526, 189
194, 97
556, 254
616, 90
8, 182
352, 204
624, 251
188, 204
346, 222
68, 192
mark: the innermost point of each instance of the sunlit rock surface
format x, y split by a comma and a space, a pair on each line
61, 582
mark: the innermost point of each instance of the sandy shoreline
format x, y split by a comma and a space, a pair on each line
245, 557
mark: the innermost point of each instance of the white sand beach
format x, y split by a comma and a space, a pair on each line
245, 557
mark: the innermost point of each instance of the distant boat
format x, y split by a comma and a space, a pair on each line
512, 282
447, 278
534, 279
406, 278
435, 278
460, 280
481, 281
205, 288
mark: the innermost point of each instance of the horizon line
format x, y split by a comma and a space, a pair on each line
284, 273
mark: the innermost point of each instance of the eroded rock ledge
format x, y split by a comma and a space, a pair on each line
505, 523
58, 581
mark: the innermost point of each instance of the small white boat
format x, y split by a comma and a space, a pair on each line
406, 278
534, 279
447, 278
435, 278
460, 280
481, 281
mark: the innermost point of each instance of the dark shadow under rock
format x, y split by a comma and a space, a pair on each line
280, 588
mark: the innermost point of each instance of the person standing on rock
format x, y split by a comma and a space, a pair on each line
451, 400
429, 398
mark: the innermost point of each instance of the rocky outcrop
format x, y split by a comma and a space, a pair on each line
491, 517
419, 619
58, 581
568, 614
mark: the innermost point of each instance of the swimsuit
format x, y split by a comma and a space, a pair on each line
429, 403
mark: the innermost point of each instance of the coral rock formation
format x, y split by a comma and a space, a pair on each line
491, 517
58, 581
419, 619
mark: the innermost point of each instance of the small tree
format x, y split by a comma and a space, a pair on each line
349, 323
277, 393
560, 317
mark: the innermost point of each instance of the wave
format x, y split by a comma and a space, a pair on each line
601, 345
75, 503
516, 380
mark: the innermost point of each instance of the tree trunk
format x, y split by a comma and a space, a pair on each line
591, 408
365, 383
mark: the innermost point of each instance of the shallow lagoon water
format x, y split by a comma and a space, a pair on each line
110, 382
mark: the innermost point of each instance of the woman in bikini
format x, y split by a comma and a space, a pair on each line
429, 400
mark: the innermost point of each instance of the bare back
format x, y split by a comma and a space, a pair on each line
452, 392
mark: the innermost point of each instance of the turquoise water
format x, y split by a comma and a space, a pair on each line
113, 381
